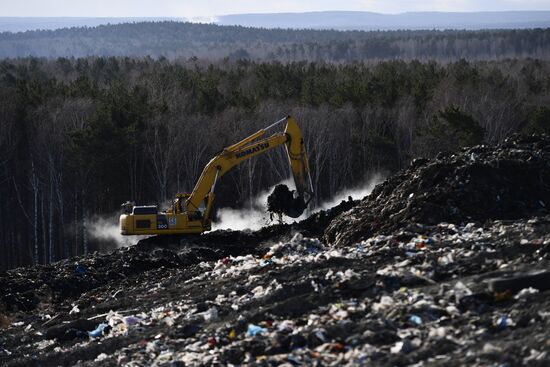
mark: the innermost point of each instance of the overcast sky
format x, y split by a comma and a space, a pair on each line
208, 8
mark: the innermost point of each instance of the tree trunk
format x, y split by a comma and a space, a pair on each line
76, 226
35, 226
84, 229
34, 183
43, 223
59, 194
50, 221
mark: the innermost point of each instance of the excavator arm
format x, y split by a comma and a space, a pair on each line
250, 147
190, 213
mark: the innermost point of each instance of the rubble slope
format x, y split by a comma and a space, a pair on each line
509, 181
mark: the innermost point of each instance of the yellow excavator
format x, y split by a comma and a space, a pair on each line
190, 213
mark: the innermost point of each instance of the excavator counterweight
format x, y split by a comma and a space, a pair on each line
190, 213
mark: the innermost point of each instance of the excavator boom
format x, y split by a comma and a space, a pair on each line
190, 213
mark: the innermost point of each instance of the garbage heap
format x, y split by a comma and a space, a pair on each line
466, 289
453, 295
510, 181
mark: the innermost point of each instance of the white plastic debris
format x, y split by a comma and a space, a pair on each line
211, 314
526, 292
404, 346
461, 290
385, 303
101, 357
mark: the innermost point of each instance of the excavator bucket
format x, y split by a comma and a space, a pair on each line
297, 208
282, 201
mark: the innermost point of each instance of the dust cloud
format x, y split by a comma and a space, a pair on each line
356, 193
106, 229
255, 216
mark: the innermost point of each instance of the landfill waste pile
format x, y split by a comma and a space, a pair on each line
510, 181
469, 289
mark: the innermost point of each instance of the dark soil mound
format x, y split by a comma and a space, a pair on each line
509, 181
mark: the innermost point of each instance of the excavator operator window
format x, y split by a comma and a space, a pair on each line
145, 210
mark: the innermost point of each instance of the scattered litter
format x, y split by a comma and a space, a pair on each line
254, 330
98, 332
211, 315
503, 322
131, 320
526, 292
101, 357
417, 320
404, 346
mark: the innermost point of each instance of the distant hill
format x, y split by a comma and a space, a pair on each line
209, 41
22, 24
349, 20
341, 20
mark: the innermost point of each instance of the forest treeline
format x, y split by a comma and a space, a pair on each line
79, 137
208, 41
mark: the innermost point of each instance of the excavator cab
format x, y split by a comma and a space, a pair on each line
190, 213
147, 220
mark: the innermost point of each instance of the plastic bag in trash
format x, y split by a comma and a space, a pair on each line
254, 330
99, 330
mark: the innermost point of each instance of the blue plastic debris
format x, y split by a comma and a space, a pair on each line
80, 269
254, 330
98, 331
417, 320
266, 262
502, 322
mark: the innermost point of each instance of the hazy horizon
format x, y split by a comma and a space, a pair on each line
201, 9
340, 20
145, 17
